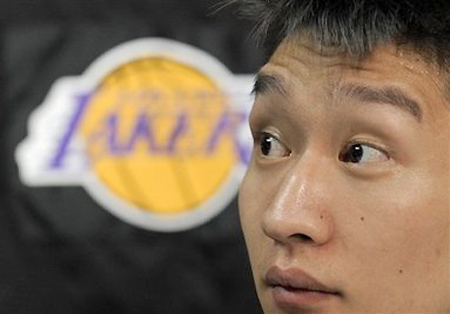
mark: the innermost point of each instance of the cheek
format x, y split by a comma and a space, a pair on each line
405, 229
401, 245
248, 208
250, 220
255, 196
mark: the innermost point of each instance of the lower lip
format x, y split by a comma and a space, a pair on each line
296, 299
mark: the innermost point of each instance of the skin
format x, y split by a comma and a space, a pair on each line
376, 230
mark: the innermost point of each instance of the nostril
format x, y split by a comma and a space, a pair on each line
302, 237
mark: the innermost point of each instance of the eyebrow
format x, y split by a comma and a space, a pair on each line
385, 95
268, 83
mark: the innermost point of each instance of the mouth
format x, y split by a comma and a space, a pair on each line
294, 289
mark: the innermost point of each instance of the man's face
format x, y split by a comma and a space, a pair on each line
346, 203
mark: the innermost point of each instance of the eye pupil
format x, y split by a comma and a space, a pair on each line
354, 154
266, 144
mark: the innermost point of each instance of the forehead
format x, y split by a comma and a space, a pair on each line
296, 63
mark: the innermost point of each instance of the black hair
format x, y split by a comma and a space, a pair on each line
356, 27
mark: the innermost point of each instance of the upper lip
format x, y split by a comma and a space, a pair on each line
296, 279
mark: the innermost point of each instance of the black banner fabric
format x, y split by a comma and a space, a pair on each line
61, 252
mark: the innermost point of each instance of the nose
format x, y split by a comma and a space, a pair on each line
301, 209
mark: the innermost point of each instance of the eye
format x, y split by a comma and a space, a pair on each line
362, 153
271, 147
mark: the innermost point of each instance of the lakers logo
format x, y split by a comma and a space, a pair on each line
154, 130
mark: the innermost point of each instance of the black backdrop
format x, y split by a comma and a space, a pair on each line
60, 252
